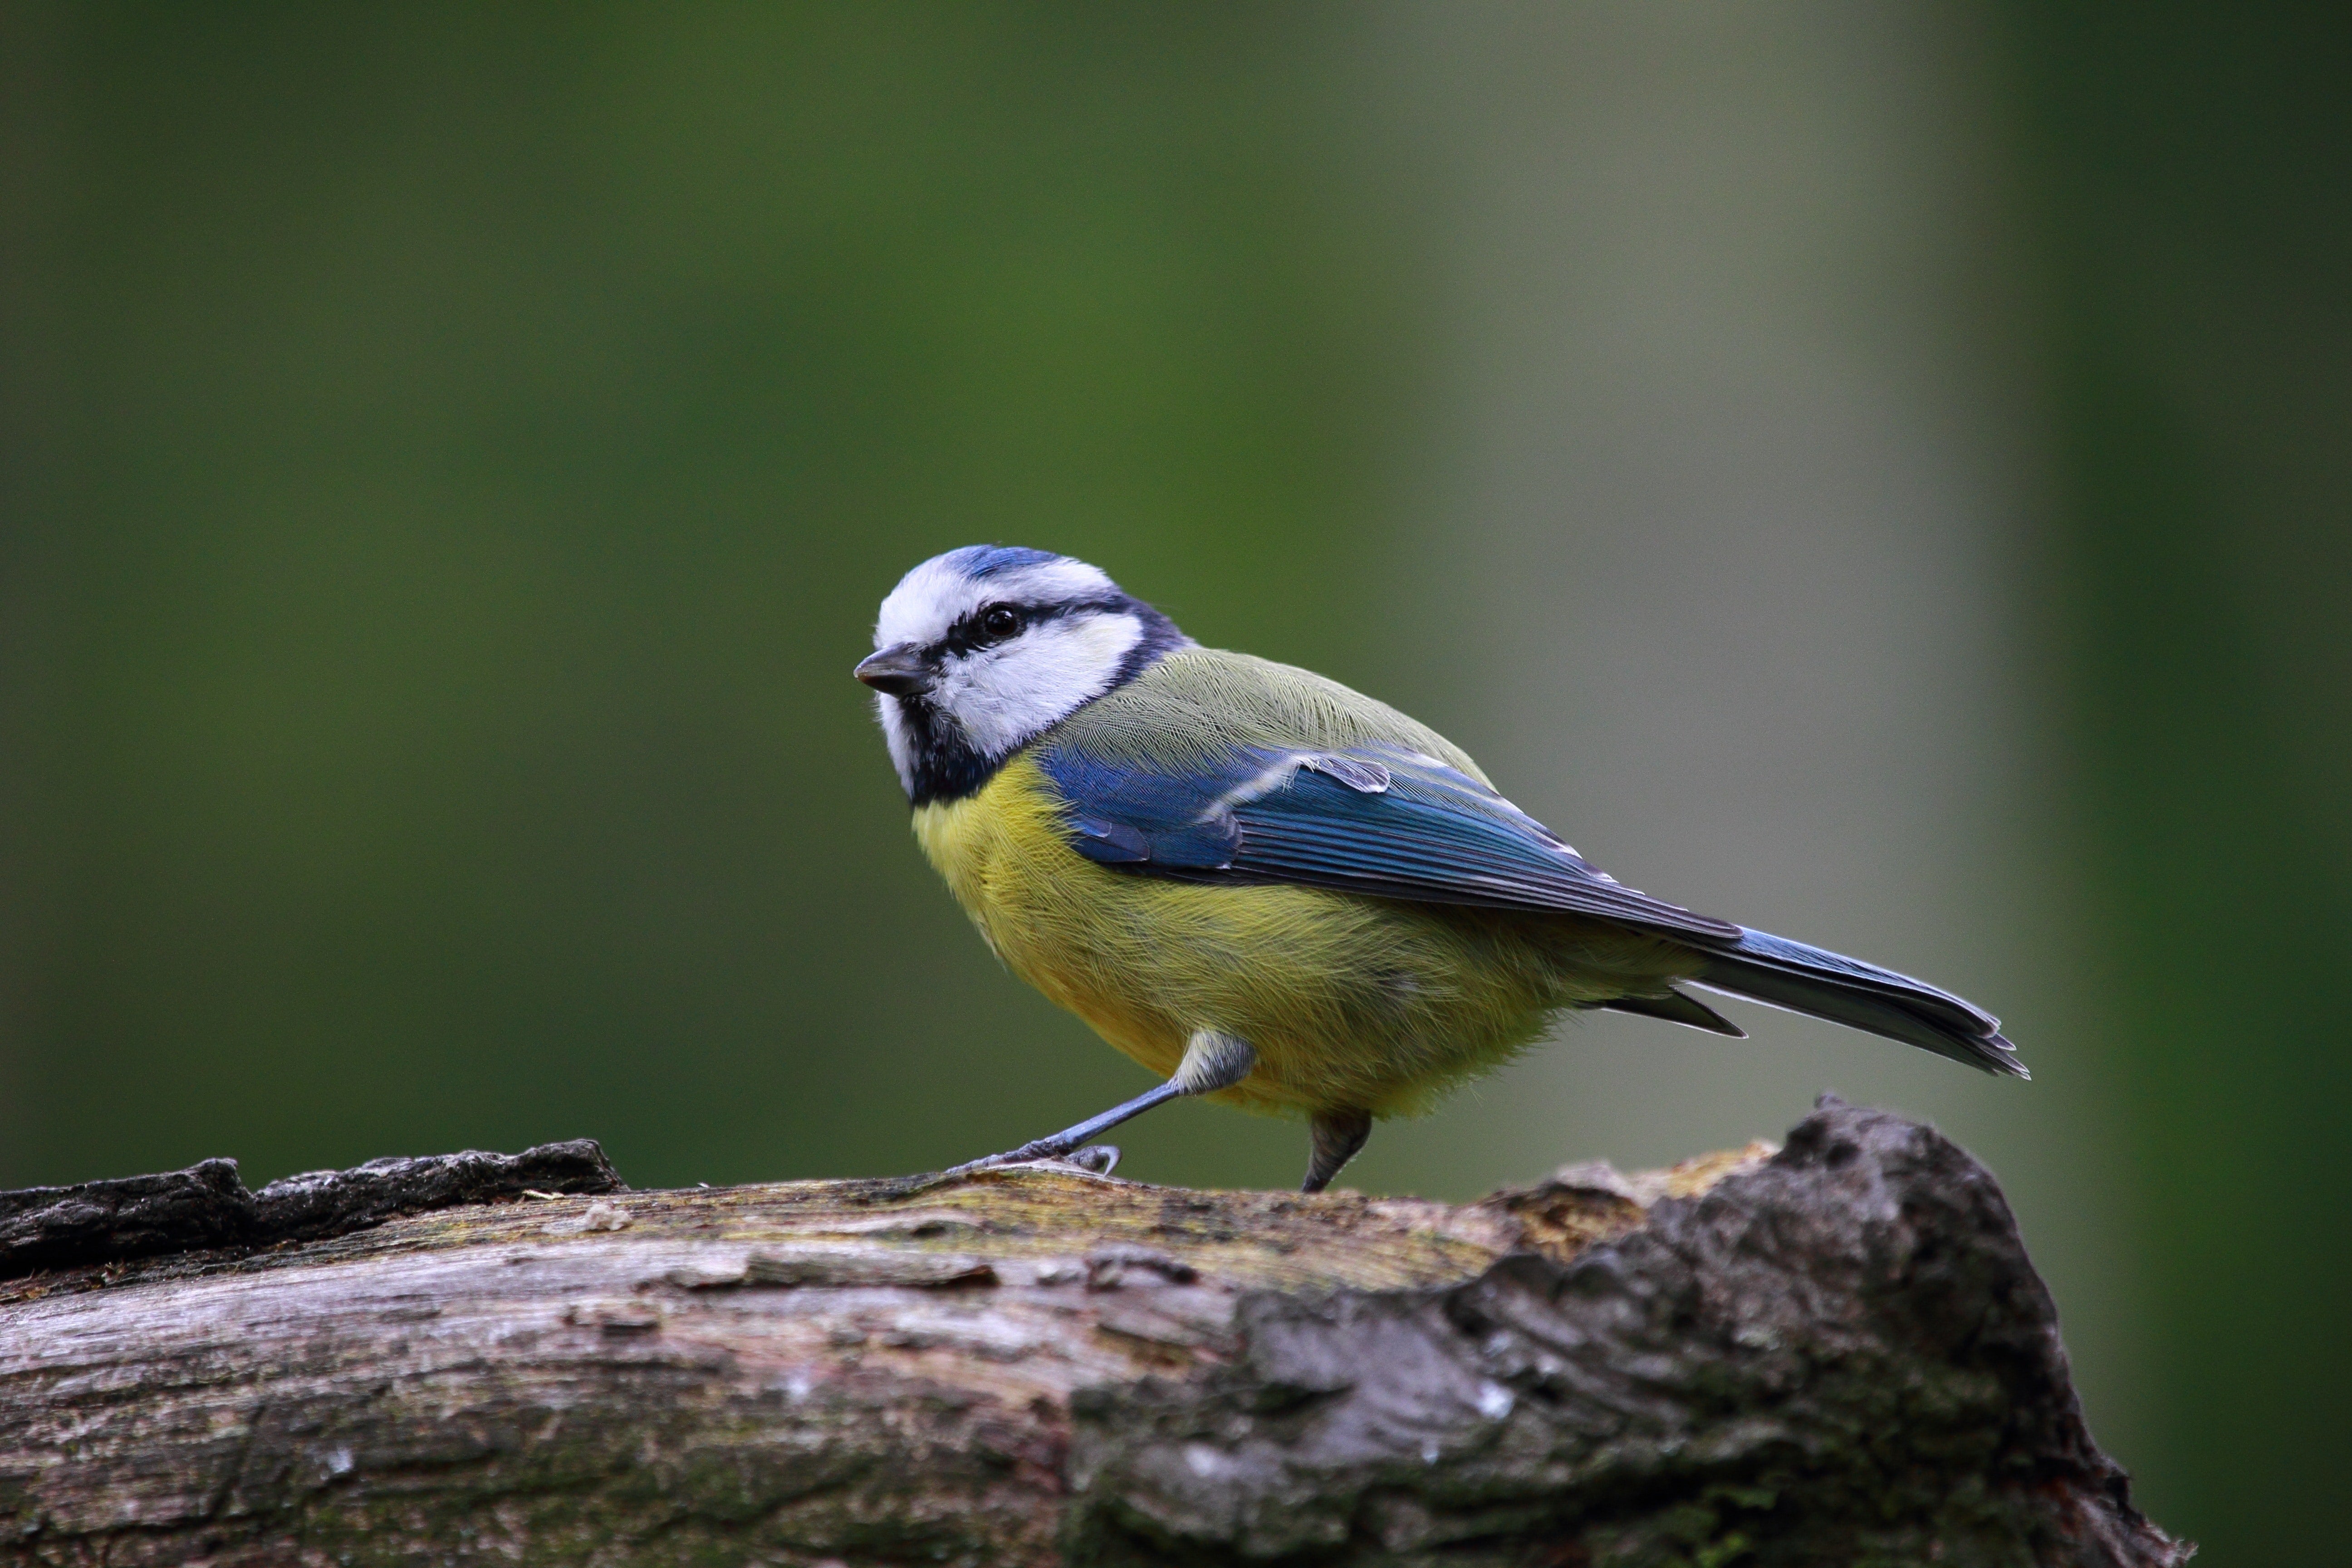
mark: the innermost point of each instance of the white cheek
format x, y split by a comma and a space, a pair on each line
1004, 696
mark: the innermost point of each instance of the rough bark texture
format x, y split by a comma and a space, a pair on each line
1836, 1353
207, 1205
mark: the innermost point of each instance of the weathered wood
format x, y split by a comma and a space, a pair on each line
207, 1205
1836, 1353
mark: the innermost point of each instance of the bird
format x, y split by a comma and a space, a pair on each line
1272, 891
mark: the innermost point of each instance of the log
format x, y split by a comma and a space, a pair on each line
1833, 1353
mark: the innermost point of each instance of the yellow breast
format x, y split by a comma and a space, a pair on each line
1002, 850
1051, 915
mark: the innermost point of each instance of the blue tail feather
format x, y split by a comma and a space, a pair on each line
1824, 984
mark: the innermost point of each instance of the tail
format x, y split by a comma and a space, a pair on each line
1783, 973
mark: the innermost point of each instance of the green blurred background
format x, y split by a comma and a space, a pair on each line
1876, 473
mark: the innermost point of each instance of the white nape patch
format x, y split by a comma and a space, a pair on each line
937, 595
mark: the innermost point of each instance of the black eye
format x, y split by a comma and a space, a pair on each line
998, 621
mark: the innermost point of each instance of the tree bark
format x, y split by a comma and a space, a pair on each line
1837, 1352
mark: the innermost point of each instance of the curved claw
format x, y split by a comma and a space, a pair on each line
1100, 1159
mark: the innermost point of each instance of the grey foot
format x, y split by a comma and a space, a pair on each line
1100, 1158
1334, 1138
1212, 1062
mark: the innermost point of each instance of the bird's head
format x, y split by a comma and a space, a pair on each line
982, 649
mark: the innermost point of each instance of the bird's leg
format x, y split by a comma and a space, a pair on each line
1212, 1062
1335, 1136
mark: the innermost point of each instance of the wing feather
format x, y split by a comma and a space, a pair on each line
1384, 821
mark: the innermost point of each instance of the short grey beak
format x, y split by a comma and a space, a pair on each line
896, 670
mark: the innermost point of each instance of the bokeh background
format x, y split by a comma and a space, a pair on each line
1878, 473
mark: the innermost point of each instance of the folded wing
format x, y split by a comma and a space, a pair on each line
1383, 821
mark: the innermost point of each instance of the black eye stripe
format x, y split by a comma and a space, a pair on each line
967, 637
971, 631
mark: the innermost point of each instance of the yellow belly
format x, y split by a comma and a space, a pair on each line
1351, 1003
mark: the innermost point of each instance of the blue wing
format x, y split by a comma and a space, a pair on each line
1384, 821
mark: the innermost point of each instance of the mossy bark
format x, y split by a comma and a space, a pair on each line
1837, 1352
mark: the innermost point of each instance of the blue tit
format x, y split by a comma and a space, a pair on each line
1272, 890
